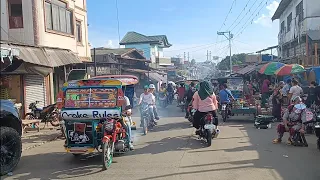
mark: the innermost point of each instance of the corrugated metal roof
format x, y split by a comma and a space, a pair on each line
60, 57
134, 37
282, 6
247, 69
44, 56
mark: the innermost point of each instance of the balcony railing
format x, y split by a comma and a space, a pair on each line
306, 61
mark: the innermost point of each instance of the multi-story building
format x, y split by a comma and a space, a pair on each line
152, 46
51, 37
299, 33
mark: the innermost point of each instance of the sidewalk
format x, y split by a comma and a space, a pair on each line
34, 139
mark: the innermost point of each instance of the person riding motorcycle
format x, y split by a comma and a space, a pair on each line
148, 98
293, 121
189, 94
170, 91
225, 96
181, 93
163, 90
127, 111
204, 101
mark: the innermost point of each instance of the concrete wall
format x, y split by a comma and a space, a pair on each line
21, 35
26, 34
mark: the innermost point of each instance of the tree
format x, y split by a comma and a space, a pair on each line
236, 59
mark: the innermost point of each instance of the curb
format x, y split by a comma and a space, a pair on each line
53, 138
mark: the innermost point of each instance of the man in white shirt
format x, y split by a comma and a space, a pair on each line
295, 90
148, 98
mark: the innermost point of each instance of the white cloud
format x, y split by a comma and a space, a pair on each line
110, 44
265, 20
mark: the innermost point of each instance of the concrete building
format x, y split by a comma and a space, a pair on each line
51, 37
299, 32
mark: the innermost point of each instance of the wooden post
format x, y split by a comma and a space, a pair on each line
316, 59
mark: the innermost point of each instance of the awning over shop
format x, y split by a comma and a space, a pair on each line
247, 70
156, 77
20, 67
44, 56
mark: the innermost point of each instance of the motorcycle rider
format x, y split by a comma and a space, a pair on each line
181, 92
204, 101
189, 94
225, 95
170, 91
162, 90
150, 99
127, 110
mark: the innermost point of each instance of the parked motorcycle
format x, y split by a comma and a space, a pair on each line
209, 130
46, 114
114, 140
147, 121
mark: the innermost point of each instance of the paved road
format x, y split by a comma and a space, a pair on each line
172, 151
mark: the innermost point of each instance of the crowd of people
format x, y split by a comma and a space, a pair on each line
207, 97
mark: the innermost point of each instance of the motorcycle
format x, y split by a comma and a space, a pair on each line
181, 104
209, 130
225, 111
113, 141
191, 113
147, 121
47, 114
170, 97
317, 128
162, 100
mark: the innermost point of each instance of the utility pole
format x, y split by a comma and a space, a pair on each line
207, 55
229, 37
95, 61
184, 56
188, 57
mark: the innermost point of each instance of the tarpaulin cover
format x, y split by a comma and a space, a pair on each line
317, 73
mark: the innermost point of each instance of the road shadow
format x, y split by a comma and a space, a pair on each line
36, 137
171, 126
288, 162
178, 143
71, 166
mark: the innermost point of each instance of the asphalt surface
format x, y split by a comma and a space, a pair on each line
172, 151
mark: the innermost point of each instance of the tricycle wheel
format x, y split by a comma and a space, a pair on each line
145, 126
318, 144
107, 155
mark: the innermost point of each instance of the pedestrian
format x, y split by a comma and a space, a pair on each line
277, 101
285, 91
265, 92
295, 90
311, 94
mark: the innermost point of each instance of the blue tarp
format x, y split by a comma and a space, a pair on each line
316, 71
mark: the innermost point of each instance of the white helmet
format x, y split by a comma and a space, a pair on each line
152, 86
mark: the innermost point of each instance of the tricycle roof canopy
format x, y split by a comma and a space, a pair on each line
125, 79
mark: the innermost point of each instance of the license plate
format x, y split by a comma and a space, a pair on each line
224, 107
209, 126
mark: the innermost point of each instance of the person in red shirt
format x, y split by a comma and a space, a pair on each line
181, 92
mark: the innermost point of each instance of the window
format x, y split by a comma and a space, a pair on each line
15, 14
299, 11
79, 31
289, 20
58, 17
282, 28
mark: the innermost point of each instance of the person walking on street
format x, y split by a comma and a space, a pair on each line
295, 90
265, 92
312, 97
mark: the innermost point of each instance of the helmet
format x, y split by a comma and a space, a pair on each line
151, 86
146, 87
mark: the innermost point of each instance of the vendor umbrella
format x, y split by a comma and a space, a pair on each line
270, 68
290, 69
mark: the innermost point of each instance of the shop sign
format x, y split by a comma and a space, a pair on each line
90, 113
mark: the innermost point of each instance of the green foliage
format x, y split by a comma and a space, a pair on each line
237, 59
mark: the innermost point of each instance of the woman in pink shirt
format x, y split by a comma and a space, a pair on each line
204, 101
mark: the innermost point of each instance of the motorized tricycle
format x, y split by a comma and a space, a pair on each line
92, 119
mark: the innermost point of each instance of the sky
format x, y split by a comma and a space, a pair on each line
190, 26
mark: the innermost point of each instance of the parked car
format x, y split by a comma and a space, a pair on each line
10, 137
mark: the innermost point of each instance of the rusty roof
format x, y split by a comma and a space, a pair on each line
44, 56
